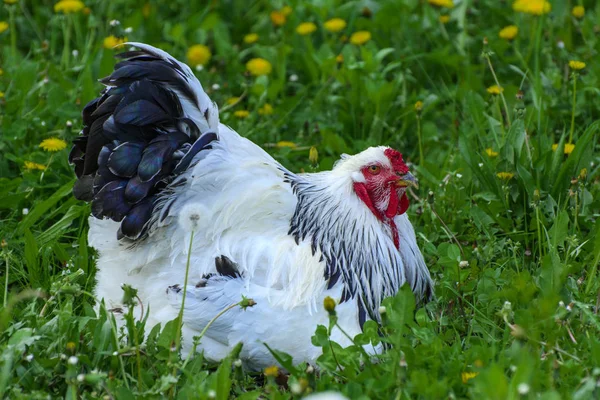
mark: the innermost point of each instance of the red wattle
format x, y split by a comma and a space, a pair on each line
395, 236
393, 203
403, 205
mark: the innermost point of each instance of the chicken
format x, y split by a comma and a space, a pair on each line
163, 176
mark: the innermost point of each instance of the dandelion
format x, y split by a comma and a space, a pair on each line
444, 19
361, 37
284, 143
491, 153
1, 72
1, 94
569, 147
523, 389
329, 305
251, 38
110, 42
287, 10
508, 32
266, 109
576, 65
277, 18
242, 113
306, 28
335, 25
339, 58
495, 89
272, 371
419, 106
505, 176
313, 156
3, 26
467, 376
442, 3
578, 11
198, 54
534, 7
232, 100
69, 6
32, 166
53, 144
191, 216
259, 66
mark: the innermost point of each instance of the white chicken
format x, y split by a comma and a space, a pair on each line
157, 165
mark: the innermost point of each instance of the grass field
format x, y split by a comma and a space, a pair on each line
496, 104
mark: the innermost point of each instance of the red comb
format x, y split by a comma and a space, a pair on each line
395, 158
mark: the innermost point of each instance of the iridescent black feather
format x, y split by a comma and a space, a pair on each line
136, 139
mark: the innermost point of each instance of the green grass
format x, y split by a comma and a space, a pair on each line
515, 260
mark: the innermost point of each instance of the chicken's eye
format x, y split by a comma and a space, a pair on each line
374, 169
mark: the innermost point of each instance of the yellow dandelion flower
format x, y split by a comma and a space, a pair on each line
467, 376
569, 147
242, 113
505, 176
251, 38
339, 58
112, 41
508, 32
444, 19
31, 166
582, 173
306, 28
495, 89
329, 304
534, 7
277, 18
272, 371
1, 94
1, 72
491, 153
361, 37
3, 26
198, 54
259, 66
287, 10
53, 144
267, 109
419, 106
576, 65
69, 6
442, 3
232, 100
335, 25
578, 11
284, 143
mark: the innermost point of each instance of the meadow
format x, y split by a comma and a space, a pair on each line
495, 104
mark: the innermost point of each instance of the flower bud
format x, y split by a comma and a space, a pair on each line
329, 305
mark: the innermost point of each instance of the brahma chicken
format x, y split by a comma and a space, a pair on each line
159, 169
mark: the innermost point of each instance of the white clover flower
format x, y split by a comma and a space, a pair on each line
69, 124
80, 378
216, 86
463, 264
459, 176
114, 22
296, 388
199, 67
212, 394
29, 357
75, 53
293, 78
129, 29
25, 211
73, 360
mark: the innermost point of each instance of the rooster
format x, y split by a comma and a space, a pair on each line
168, 182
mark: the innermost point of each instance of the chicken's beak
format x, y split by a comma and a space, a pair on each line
406, 180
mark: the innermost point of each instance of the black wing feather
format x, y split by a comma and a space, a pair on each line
136, 139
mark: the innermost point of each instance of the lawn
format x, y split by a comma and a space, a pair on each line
495, 105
